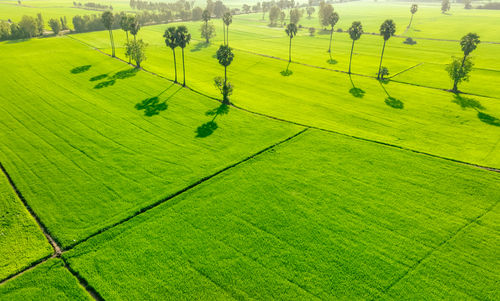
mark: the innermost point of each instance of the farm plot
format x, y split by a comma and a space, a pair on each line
320, 216
90, 141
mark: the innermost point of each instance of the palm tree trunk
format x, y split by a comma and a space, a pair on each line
129, 59
330, 46
206, 32
225, 98
224, 30
350, 59
227, 35
290, 51
411, 19
175, 66
183, 70
381, 57
112, 43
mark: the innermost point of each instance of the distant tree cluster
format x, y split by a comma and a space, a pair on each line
491, 5
28, 27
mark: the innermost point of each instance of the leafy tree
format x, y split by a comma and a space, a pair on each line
246, 8
227, 19
459, 71
197, 13
325, 10
27, 28
108, 19
210, 7
39, 24
5, 31
183, 38
291, 31
445, 6
266, 6
55, 25
225, 57
134, 26
295, 15
332, 19
312, 30
383, 72
413, 10
274, 13
136, 50
468, 4
219, 9
282, 18
207, 31
387, 30
310, 10
171, 41
355, 32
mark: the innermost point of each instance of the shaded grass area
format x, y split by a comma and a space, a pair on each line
320, 216
21, 241
86, 158
48, 281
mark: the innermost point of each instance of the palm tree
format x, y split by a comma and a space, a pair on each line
171, 41
468, 43
387, 30
125, 23
225, 56
107, 20
183, 37
333, 18
206, 17
227, 19
355, 31
413, 10
291, 31
134, 26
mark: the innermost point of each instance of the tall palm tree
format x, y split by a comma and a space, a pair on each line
125, 23
183, 37
227, 19
107, 20
134, 27
413, 10
291, 31
205, 16
355, 32
387, 30
171, 41
333, 18
225, 56
468, 43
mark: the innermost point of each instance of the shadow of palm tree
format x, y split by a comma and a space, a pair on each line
152, 105
80, 69
355, 91
105, 84
488, 119
467, 102
199, 46
286, 72
391, 101
125, 73
331, 61
98, 77
209, 127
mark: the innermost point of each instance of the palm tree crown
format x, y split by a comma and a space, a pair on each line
182, 36
170, 37
225, 55
356, 30
414, 8
333, 18
387, 29
108, 19
291, 30
227, 18
469, 43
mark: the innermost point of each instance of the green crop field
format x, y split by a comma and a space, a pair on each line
119, 184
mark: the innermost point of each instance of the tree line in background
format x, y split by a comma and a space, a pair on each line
93, 5
29, 27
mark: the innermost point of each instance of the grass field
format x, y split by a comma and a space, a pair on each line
21, 241
346, 220
317, 185
49, 281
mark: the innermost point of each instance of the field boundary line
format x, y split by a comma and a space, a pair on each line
494, 169
83, 282
185, 189
404, 70
48, 236
433, 250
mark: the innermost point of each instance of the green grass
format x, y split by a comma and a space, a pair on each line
21, 241
320, 216
86, 158
430, 120
49, 281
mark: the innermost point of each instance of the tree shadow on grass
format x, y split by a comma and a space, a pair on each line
355, 91
209, 127
80, 69
105, 84
286, 72
98, 77
486, 118
152, 105
391, 101
331, 61
199, 46
467, 102
125, 73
